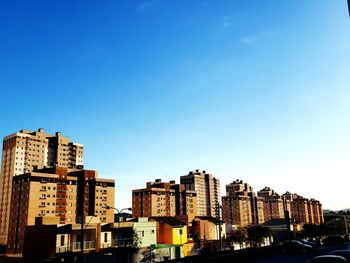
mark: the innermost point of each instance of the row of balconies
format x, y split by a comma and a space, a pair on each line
75, 246
91, 245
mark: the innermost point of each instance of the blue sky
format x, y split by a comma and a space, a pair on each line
249, 89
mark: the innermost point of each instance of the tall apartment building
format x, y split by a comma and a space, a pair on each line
57, 192
164, 199
273, 204
25, 150
288, 198
207, 188
241, 206
303, 210
316, 210
300, 211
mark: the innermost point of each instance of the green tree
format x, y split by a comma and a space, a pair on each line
136, 241
313, 231
257, 233
238, 236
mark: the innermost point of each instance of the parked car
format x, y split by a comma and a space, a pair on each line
295, 246
334, 240
327, 259
344, 253
306, 242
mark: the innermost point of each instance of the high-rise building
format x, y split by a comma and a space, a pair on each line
207, 188
300, 211
288, 198
164, 199
57, 192
25, 150
303, 210
241, 206
317, 212
273, 204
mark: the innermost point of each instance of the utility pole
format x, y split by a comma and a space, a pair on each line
81, 202
345, 223
287, 220
119, 212
181, 246
218, 207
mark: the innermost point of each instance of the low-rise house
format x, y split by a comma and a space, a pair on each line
52, 239
170, 230
207, 228
146, 231
172, 236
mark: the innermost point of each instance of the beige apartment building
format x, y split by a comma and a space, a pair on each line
241, 206
303, 210
60, 193
300, 211
273, 204
316, 211
164, 199
207, 188
25, 150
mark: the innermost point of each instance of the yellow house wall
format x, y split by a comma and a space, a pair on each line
187, 249
177, 238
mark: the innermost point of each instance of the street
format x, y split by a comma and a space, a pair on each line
298, 258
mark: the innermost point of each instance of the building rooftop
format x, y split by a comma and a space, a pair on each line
210, 219
169, 220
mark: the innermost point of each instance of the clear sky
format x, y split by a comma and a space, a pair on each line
246, 89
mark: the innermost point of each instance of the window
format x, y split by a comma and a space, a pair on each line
62, 240
105, 237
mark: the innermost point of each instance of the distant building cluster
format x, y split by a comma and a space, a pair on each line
242, 206
46, 194
198, 194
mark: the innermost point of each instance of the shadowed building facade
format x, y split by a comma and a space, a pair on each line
273, 204
164, 199
207, 188
241, 206
25, 150
58, 193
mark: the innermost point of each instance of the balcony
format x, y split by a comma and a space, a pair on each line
106, 245
61, 249
122, 242
88, 245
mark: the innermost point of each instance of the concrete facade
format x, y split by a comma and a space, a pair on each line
57, 193
241, 206
207, 228
273, 204
25, 150
207, 188
164, 199
146, 231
